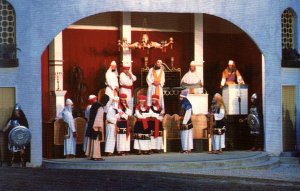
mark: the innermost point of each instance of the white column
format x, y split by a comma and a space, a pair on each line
57, 97
126, 34
198, 43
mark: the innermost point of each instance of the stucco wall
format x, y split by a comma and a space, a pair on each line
39, 21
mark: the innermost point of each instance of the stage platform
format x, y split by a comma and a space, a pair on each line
171, 162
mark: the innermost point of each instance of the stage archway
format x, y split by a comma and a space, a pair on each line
90, 44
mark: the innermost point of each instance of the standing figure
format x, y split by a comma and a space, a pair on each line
112, 83
123, 129
17, 118
126, 84
231, 75
95, 129
92, 99
192, 80
220, 125
254, 125
156, 82
141, 130
186, 128
111, 126
69, 143
155, 124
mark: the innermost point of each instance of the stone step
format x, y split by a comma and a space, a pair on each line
289, 160
244, 162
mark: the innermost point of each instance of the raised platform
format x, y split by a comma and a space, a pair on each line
171, 162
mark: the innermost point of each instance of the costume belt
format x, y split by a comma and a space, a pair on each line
127, 127
128, 87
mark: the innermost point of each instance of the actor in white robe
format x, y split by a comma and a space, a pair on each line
219, 130
123, 132
192, 80
69, 142
126, 84
141, 130
112, 82
186, 129
155, 122
92, 99
111, 126
156, 82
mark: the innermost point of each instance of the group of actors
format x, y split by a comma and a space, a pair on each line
116, 105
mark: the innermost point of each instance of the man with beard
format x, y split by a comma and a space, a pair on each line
155, 125
156, 81
186, 126
92, 99
192, 80
231, 75
95, 129
112, 83
141, 129
69, 143
123, 129
126, 83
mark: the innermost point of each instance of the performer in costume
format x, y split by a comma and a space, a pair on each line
156, 82
155, 125
219, 126
95, 129
112, 83
126, 83
70, 142
141, 130
186, 128
123, 131
231, 75
17, 118
92, 99
255, 129
111, 126
192, 80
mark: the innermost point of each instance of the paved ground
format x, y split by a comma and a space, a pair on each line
173, 177
63, 179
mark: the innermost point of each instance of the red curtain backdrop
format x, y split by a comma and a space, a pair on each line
45, 85
92, 51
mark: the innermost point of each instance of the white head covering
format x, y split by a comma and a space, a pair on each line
231, 62
254, 96
184, 93
113, 63
193, 63
69, 102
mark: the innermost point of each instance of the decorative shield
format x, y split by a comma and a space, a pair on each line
19, 136
252, 121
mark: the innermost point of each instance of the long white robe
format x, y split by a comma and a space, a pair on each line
219, 140
93, 149
123, 142
156, 143
139, 144
110, 139
86, 114
152, 87
69, 143
112, 84
192, 78
186, 136
127, 81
